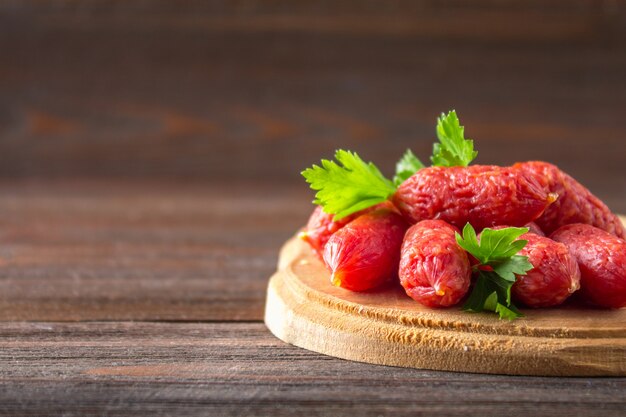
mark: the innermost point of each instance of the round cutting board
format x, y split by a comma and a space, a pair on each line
387, 327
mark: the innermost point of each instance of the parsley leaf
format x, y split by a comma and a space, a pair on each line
492, 293
498, 250
481, 296
495, 245
453, 149
509, 313
516, 265
348, 186
408, 165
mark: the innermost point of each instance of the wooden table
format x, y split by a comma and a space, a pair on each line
128, 298
149, 160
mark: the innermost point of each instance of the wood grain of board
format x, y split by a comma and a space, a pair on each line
125, 368
384, 326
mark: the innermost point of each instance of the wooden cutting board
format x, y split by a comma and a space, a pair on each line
387, 327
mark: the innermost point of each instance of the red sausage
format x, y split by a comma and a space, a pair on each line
365, 253
322, 225
482, 195
434, 269
555, 275
575, 204
602, 260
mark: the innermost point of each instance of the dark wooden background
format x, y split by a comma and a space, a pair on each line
226, 91
149, 160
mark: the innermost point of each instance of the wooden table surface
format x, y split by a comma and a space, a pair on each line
149, 160
128, 298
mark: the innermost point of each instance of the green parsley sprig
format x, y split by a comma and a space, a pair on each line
350, 184
496, 250
408, 165
453, 149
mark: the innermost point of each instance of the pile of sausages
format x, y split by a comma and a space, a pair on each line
575, 243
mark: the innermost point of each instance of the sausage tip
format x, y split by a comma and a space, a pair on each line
552, 197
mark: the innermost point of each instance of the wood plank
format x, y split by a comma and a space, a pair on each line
142, 250
219, 89
239, 368
484, 20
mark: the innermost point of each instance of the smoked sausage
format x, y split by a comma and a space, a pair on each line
365, 253
434, 270
482, 195
554, 277
575, 204
602, 260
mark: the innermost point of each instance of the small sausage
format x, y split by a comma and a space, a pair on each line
482, 195
322, 225
576, 204
365, 253
602, 260
434, 270
554, 277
